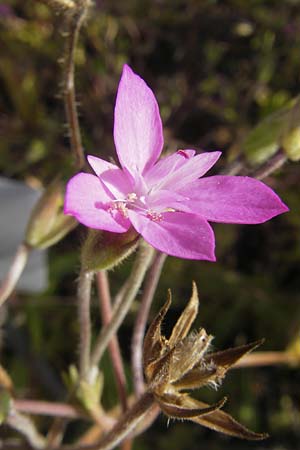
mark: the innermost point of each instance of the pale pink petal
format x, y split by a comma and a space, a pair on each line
88, 201
118, 183
233, 199
178, 234
167, 165
137, 128
164, 199
115, 180
100, 165
191, 170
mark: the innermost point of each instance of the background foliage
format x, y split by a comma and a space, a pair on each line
217, 68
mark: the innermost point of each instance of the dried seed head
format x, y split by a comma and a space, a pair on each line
182, 362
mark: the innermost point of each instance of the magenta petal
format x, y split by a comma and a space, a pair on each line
163, 200
114, 179
191, 170
233, 199
137, 128
87, 200
178, 234
167, 165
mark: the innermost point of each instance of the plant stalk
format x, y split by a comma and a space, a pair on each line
114, 348
75, 19
140, 266
85, 329
151, 283
15, 271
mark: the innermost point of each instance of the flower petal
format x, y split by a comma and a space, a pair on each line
167, 165
233, 199
163, 200
115, 180
178, 234
137, 128
100, 165
87, 200
186, 173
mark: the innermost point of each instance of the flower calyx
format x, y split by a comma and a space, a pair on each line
48, 224
183, 362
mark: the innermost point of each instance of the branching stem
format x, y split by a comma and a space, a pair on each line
140, 266
26, 427
114, 348
123, 428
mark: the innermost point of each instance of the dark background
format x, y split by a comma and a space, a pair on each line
217, 68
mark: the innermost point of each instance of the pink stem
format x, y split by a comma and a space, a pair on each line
113, 347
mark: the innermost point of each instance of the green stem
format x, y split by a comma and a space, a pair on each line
114, 348
14, 273
75, 20
141, 321
141, 264
85, 329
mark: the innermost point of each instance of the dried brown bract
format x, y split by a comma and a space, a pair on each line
182, 362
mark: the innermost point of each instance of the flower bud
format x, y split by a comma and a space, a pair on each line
104, 249
278, 130
291, 144
88, 392
48, 224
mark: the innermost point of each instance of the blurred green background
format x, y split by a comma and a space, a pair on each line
217, 68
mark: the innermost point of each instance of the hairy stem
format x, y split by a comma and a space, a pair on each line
39, 407
123, 428
135, 280
113, 347
26, 427
151, 282
14, 272
85, 329
239, 166
274, 163
75, 19
56, 431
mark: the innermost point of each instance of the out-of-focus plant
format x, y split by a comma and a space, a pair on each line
156, 207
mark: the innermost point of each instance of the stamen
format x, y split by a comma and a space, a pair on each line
117, 205
132, 197
155, 216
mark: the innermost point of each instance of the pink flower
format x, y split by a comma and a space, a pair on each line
165, 200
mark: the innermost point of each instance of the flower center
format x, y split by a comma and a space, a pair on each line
134, 202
